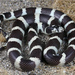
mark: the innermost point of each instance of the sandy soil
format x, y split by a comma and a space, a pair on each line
5, 66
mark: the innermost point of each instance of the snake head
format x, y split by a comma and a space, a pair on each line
53, 29
57, 29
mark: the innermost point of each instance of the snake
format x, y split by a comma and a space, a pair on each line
39, 20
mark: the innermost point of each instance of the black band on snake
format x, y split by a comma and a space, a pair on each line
39, 20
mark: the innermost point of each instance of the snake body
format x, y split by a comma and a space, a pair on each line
39, 20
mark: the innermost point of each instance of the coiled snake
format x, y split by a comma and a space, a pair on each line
39, 20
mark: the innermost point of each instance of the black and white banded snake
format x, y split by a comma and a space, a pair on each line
39, 20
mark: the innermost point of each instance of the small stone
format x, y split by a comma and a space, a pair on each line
64, 71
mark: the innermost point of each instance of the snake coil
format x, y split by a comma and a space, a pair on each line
39, 20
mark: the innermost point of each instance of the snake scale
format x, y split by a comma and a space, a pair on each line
39, 20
